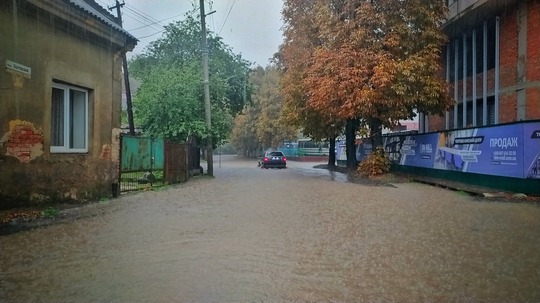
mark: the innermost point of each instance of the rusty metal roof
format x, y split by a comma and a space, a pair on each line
101, 14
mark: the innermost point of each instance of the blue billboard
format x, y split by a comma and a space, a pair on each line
507, 150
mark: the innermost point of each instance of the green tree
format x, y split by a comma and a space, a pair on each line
169, 102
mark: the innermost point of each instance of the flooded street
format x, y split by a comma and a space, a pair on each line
271, 235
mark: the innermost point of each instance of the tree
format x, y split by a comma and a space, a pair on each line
302, 37
258, 126
169, 102
270, 131
244, 132
381, 62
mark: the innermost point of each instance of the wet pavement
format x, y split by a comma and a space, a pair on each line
281, 235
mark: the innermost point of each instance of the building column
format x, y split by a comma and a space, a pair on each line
456, 71
497, 68
464, 82
522, 61
447, 114
484, 76
474, 109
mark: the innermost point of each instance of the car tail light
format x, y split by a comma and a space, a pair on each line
284, 159
265, 159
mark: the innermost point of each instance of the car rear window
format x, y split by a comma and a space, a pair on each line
280, 154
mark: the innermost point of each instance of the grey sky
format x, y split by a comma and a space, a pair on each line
250, 27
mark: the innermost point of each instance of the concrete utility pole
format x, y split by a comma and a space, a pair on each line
126, 75
207, 112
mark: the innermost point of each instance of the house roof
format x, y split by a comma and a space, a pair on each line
100, 13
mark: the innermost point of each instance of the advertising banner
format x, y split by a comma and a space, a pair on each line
507, 150
531, 152
490, 150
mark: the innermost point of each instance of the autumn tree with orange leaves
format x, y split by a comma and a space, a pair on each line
302, 37
372, 61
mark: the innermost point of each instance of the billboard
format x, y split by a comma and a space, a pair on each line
507, 150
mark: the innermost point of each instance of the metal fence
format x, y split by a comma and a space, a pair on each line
150, 162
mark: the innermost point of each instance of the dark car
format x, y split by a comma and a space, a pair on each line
273, 159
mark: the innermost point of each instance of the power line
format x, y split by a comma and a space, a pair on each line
226, 18
147, 21
159, 21
161, 31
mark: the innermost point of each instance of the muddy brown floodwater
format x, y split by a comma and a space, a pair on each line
293, 235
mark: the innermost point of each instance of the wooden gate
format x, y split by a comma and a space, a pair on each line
176, 163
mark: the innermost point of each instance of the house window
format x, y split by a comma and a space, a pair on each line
69, 119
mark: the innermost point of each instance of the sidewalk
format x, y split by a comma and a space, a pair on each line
474, 190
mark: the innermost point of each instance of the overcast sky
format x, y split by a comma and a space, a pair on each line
250, 27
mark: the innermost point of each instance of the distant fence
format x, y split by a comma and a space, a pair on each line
505, 156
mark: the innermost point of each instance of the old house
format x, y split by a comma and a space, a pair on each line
60, 100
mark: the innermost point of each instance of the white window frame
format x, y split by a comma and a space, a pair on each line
67, 120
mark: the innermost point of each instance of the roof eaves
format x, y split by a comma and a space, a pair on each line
81, 4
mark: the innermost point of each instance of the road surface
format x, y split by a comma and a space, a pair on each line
281, 235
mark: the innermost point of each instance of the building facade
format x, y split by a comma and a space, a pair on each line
493, 62
60, 100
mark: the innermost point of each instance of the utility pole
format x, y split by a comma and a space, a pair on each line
126, 75
207, 113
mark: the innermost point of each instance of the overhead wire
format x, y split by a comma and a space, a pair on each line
141, 17
159, 21
145, 20
227, 17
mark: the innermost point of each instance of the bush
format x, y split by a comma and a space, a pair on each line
376, 163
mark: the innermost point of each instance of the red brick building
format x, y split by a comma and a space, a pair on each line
493, 61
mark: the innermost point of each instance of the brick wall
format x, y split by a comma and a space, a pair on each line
533, 41
508, 85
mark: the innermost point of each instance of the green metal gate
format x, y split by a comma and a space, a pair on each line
142, 161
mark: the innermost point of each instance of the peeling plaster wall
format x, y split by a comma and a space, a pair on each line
29, 172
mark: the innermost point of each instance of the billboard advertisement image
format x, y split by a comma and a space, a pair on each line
507, 150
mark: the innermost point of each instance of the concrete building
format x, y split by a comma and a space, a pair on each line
493, 61
60, 100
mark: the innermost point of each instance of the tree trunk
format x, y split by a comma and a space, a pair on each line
375, 133
332, 152
350, 137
